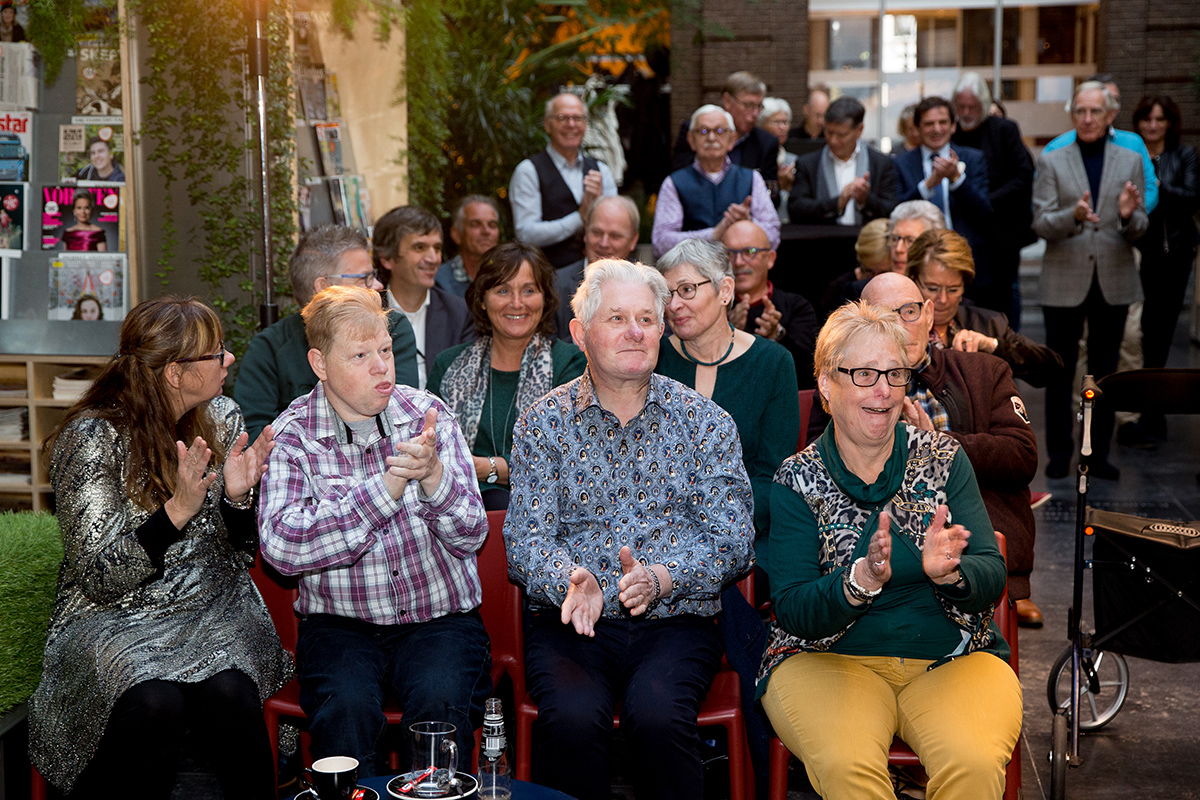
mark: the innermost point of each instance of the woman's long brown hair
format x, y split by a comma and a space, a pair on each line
132, 393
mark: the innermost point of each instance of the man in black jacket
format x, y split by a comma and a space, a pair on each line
1010, 189
753, 147
972, 398
846, 182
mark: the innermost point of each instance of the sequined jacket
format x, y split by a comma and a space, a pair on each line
127, 612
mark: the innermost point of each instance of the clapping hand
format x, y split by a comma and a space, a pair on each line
1129, 200
915, 415
768, 320
1083, 209
943, 548
583, 603
416, 460
192, 482
636, 585
877, 568
244, 466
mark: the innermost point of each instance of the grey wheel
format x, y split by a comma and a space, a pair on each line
1103, 685
1058, 756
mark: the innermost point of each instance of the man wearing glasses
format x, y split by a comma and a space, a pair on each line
275, 370
752, 147
701, 200
552, 191
972, 398
908, 221
761, 308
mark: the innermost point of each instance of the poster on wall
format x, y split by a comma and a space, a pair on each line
91, 150
97, 80
81, 218
87, 286
14, 221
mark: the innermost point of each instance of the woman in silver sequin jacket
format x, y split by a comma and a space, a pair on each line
156, 622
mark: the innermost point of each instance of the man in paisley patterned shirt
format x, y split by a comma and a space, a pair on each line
371, 499
630, 510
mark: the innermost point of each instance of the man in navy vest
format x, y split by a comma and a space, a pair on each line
552, 191
702, 200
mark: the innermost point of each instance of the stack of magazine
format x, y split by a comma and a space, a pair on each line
71, 385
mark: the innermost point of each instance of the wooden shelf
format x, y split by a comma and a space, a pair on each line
44, 413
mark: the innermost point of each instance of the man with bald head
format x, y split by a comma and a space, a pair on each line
972, 398
552, 191
611, 232
761, 308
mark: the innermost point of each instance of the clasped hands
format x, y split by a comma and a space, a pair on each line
585, 600
243, 469
767, 325
415, 460
857, 190
1128, 202
940, 557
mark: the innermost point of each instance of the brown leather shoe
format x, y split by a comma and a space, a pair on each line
1028, 614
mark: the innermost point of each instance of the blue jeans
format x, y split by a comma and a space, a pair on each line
436, 671
660, 669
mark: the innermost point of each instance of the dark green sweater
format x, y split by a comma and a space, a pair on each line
758, 389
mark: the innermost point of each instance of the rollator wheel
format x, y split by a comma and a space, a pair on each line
1060, 747
1103, 685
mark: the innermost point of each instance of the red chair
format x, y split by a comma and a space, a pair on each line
807, 397
280, 594
37, 785
722, 706
901, 754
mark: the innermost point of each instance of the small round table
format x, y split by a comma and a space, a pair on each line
520, 789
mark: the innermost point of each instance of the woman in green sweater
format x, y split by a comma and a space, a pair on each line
515, 360
884, 571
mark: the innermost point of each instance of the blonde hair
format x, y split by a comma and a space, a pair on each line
339, 311
852, 323
947, 248
871, 246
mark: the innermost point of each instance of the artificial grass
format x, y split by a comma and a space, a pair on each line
30, 553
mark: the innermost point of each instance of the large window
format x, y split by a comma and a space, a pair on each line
916, 48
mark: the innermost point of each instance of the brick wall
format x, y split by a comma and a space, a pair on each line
768, 38
1153, 47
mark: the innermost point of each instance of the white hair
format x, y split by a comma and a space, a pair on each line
772, 106
973, 83
1110, 103
586, 301
709, 108
923, 210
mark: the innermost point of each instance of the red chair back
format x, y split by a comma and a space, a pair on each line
501, 609
806, 403
280, 593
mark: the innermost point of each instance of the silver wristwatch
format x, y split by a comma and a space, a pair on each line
493, 475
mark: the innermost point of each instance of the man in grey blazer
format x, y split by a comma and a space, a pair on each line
407, 254
1087, 205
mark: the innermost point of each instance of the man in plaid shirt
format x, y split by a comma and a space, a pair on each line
370, 497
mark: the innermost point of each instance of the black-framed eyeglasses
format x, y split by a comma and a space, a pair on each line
217, 356
911, 312
894, 240
745, 252
687, 291
867, 377
935, 289
359, 277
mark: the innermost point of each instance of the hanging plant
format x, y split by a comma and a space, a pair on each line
194, 132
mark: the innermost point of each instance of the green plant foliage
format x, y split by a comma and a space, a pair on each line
30, 554
194, 131
54, 25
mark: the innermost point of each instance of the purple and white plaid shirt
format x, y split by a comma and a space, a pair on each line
325, 515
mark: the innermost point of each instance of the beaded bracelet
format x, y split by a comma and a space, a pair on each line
244, 505
657, 591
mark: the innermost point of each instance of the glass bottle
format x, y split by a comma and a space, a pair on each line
495, 782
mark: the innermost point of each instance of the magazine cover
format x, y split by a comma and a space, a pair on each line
5, 287
13, 220
358, 204
18, 75
86, 218
333, 103
16, 144
311, 83
337, 201
329, 143
97, 80
79, 281
91, 150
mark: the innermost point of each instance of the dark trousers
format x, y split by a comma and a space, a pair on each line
139, 751
436, 671
1064, 326
1164, 281
659, 669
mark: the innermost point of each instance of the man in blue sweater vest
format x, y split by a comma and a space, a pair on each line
702, 200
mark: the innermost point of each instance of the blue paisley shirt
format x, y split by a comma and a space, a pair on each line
670, 484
